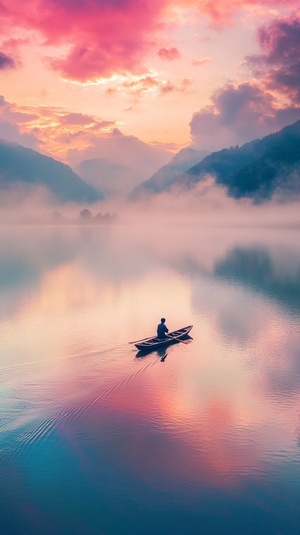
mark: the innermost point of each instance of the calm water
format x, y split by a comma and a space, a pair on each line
199, 439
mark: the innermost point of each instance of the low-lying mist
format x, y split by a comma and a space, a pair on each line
206, 204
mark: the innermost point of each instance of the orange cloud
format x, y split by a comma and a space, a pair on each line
148, 83
201, 61
53, 131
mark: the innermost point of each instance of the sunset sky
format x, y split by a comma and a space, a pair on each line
77, 74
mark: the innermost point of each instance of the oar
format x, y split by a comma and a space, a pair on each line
143, 339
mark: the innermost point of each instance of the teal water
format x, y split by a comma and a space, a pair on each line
201, 438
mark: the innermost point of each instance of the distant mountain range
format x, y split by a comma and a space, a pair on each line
256, 170
25, 168
162, 179
108, 178
116, 163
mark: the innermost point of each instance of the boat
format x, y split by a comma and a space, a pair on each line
148, 344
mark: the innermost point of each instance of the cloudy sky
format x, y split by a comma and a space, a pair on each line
76, 74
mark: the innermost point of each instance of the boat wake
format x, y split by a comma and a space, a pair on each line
29, 432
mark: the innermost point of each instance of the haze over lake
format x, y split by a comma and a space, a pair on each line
199, 438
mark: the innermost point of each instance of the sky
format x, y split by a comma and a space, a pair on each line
80, 78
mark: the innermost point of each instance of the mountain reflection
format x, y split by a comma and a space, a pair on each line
256, 269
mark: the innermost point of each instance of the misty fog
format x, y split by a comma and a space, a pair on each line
206, 204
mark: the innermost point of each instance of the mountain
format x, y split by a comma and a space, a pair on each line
106, 177
166, 175
142, 159
25, 168
257, 169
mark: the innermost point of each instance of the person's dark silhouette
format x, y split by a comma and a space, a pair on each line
162, 329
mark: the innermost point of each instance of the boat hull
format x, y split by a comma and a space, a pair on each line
153, 343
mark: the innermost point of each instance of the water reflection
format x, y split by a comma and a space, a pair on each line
120, 256
210, 438
161, 353
256, 269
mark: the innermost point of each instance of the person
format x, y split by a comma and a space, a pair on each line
162, 329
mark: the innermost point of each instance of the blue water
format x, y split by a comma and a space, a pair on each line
96, 438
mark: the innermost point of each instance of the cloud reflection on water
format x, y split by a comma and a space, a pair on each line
212, 426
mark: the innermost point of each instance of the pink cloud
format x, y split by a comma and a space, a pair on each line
108, 36
169, 54
279, 65
239, 113
253, 109
222, 12
104, 36
198, 62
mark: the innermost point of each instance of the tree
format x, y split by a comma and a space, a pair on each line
85, 214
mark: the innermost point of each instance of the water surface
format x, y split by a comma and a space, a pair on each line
200, 438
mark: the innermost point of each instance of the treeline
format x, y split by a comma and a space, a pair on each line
85, 217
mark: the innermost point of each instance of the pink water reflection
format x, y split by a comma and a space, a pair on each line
214, 411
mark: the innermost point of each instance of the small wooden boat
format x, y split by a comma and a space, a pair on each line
148, 344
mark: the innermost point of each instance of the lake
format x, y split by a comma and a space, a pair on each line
199, 438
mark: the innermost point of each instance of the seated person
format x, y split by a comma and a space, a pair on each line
162, 329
